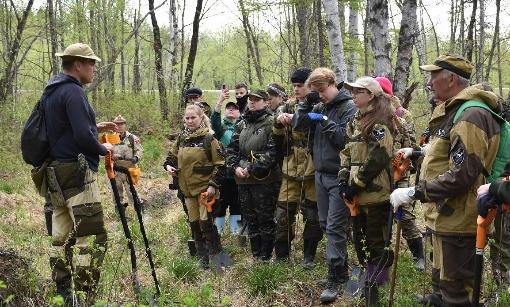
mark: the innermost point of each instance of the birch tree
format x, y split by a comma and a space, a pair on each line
381, 45
405, 47
336, 47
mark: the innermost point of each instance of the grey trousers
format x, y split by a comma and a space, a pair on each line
333, 218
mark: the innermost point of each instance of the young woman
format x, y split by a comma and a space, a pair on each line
277, 96
197, 160
365, 174
251, 154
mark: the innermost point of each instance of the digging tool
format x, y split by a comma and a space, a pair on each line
353, 286
400, 166
132, 175
220, 259
122, 214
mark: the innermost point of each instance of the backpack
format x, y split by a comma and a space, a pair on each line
35, 145
503, 154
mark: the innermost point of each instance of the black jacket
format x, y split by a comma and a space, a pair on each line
71, 122
329, 135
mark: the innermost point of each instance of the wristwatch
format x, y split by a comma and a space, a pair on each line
411, 193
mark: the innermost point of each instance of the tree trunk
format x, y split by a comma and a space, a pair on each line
320, 35
137, 78
380, 36
251, 42
158, 61
405, 47
366, 38
471, 30
481, 44
341, 16
9, 73
495, 40
193, 48
122, 58
462, 27
181, 68
172, 37
53, 37
353, 39
453, 25
336, 48
302, 19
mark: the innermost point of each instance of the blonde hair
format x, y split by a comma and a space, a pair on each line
321, 76
200, 112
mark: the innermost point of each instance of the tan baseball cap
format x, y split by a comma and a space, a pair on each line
119, 119
79, 50
453, 63
368, 83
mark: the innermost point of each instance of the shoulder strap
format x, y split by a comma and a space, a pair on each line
208, 138
477, 104
132, 142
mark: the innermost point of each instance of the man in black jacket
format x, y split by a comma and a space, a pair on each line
78, 230
326, 110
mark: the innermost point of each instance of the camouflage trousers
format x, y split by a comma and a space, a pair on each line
453, 268
286, 220
79, 240
258, 204
500, 248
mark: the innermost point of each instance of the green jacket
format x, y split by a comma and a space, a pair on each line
456, 162
197, 169
253, 148
365, 163
223, 128
501, 187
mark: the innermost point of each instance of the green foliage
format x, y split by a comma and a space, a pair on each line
181, 229
183, 269
263, 279
202, 297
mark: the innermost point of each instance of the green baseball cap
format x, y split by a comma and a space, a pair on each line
260, 93
453, 63
79, 50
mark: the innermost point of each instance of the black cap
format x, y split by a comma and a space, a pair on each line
194, 91
231, 103
300, 75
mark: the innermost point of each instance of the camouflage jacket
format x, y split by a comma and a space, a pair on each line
253, 148
129, 147
197, 169
456, 162
293, 146
365, 163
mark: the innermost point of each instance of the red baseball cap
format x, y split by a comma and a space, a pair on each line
385, 84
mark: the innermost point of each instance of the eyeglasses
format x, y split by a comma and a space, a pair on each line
356, 91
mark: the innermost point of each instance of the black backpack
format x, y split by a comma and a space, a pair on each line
35, 145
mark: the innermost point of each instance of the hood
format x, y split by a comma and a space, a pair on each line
343, 95
475, 92
254, 116
59, 79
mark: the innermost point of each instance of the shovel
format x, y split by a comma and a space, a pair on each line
221, 259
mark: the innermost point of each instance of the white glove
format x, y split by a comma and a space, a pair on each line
400, 197
406, 151
424, 149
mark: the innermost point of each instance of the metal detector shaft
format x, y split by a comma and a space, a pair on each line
138, 209
125, 227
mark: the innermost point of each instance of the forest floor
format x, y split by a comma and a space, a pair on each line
25, 275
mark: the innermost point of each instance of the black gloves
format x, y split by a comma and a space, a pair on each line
485, 203
312, 98
134, 159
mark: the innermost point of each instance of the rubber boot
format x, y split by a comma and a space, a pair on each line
266, 248
379, 275
234, 224
255, 243
281, 250
309, 251
65, 290
218, 258
371, 293
220, 224
200, 245
416, 247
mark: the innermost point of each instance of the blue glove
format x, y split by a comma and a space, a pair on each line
316, 117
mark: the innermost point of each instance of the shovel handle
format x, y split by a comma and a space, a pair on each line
207, 203
481, 229
108, 164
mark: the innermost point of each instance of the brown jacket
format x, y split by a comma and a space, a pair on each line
459, 157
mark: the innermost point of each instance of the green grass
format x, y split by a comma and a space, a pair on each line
264, 278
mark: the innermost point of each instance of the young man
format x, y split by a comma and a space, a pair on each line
127, 154
297, 190
78, 225
241, 90
194, 96
326, 111
453, 168
223, 130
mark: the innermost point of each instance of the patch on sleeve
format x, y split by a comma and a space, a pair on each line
137, 141
378, 134
458, 156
